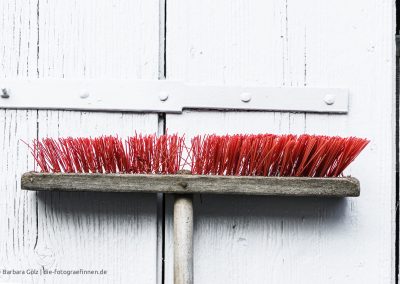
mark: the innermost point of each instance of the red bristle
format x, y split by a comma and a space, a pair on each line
90, 154
38, 155
353, 147
261, 155
98, 151
131, 150
273, 155
195, 151
51, 154
66, 156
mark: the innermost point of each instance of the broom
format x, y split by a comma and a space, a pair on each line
302, 158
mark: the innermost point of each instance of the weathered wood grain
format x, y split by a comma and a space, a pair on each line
279, 186
18, 210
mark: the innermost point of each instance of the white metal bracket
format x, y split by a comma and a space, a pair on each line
165, 96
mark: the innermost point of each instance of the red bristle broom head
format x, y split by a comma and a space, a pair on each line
274, 155
246, 155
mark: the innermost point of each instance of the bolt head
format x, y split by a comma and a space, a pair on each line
245, 97
163, 96
329, 99
84, 94
4, 93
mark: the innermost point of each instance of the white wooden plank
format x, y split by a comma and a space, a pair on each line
99, 39
77, 40
113, 40
98, 231
19, 34
116, 40
18, 233
292, 43
18, 210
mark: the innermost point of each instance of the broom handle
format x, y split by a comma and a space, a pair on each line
183, 239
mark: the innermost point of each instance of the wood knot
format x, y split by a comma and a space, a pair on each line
183, 184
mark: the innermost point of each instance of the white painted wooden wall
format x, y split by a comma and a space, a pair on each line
115, 232
238, 239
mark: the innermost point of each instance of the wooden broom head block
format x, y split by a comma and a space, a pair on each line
180, 184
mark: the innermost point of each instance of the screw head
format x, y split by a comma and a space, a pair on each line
163, 96
245, 97
329, 99
4, 94
84, 94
